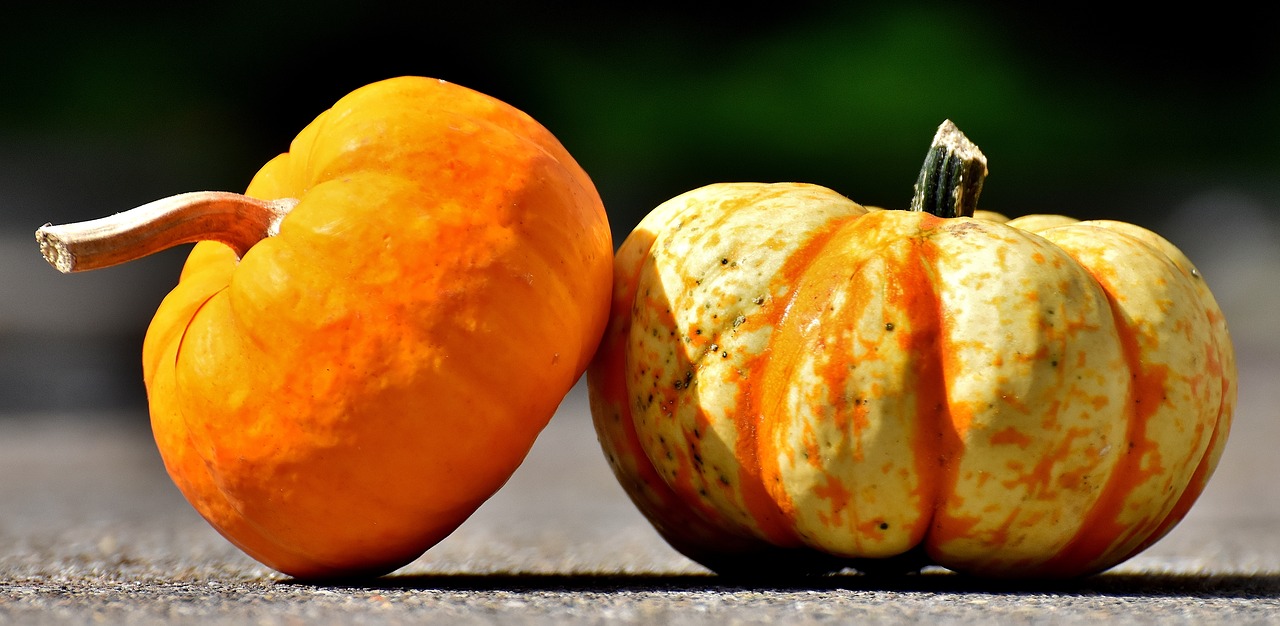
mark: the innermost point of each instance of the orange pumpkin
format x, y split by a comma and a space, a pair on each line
793, 382
340, 396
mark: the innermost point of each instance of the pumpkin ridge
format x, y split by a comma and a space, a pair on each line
1091, 544
190, 319
774, 369
687, 528
1205, 466
1150, 381
811, 399
1223, 357
937, 438
1140, 537
190, 469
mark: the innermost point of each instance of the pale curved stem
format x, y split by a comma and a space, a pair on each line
231, 218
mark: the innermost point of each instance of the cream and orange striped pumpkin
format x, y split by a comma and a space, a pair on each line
793, 382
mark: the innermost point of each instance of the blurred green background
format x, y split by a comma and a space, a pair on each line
1164, 118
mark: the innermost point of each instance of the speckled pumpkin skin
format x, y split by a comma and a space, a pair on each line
793, 382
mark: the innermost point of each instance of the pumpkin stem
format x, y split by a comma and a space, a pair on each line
951, 179
231, 218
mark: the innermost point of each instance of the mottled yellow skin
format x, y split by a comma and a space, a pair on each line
791, 378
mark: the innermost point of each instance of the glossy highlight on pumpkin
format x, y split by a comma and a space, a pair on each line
347, 393
793, 382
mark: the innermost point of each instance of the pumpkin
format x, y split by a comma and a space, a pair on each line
791, 382
363, 347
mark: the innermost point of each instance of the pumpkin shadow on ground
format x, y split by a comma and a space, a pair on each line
1168, 585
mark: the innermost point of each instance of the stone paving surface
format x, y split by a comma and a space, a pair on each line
91, 531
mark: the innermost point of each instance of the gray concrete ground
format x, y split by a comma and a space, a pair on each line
91, 531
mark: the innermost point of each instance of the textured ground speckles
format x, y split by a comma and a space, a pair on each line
91, 531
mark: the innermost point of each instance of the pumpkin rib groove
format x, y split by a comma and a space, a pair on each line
686, 528
1220, 334
1017, 325
1189, 494
831, 273
1098, 533
1104, 536
953, 426
777, 369
938, 444
1221, 363
695, 288
195, 312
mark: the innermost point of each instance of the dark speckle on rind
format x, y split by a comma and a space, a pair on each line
962, 228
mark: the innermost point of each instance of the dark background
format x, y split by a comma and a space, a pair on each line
1165, 118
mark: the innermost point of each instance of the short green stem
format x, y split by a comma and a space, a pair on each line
951, 179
